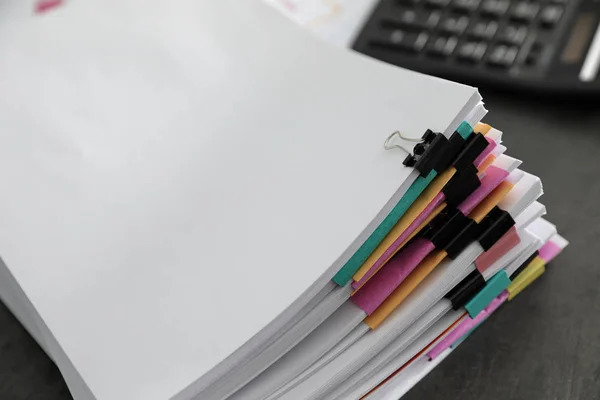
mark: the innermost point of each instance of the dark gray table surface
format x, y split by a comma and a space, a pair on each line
543, 345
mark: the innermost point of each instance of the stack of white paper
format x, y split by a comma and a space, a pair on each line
184, 179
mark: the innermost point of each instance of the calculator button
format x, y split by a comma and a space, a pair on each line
471, 51
466, 5
525, 11
495, 7
535, 54
513, 34
442, 46
414, 19
502, 56
551, 15
455, 25
484, 29
437, 3
404, 41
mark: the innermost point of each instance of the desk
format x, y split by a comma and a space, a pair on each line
543, 345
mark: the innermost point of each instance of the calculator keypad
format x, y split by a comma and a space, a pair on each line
488, 34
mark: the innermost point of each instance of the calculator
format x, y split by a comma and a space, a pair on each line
541, 45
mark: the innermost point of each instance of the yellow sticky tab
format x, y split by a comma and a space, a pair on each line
490, 201
486, 163
406, 287
534, 270
482, 128
411, 214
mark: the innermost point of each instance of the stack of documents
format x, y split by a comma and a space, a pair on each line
202, 201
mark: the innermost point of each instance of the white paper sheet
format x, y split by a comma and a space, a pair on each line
161, 160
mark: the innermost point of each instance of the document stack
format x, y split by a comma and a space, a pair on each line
203, 201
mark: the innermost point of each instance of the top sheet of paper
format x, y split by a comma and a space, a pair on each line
176, 173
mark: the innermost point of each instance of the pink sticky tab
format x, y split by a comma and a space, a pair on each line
45, 5
437, 200
493, 177
466, 325
486, 152
549, 251
370, 296
509, 240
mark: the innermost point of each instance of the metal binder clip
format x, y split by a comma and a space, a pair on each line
389, 146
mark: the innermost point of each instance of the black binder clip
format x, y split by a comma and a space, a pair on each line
525, 264
436, 152
465, 290
430, 154
493, 226
449, 229
475, 145
460, 186
463, 238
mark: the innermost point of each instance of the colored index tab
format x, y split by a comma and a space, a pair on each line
509, 240
549, 251
429, 200
465, 130
358, 259
534, 270
405, 288
399, 232
391, 276
344, 275
430, 262
490, 201
468, 324
482, 128
489, 160
493, 288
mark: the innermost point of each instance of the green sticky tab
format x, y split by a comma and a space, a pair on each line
358, 259
464, 130
493, 288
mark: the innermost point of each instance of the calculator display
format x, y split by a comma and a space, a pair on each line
580, 36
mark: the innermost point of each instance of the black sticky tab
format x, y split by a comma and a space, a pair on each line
462, 184
476, 144
494, 226
466, 289
444, 227
525, 264
456, 143
462, 239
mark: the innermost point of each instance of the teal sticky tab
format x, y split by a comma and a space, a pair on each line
464, 130
493, 288
358, 259
344, 275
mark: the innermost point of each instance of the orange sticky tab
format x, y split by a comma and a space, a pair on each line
405, 288
490, 201
486, 163
411, 214
482, 128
